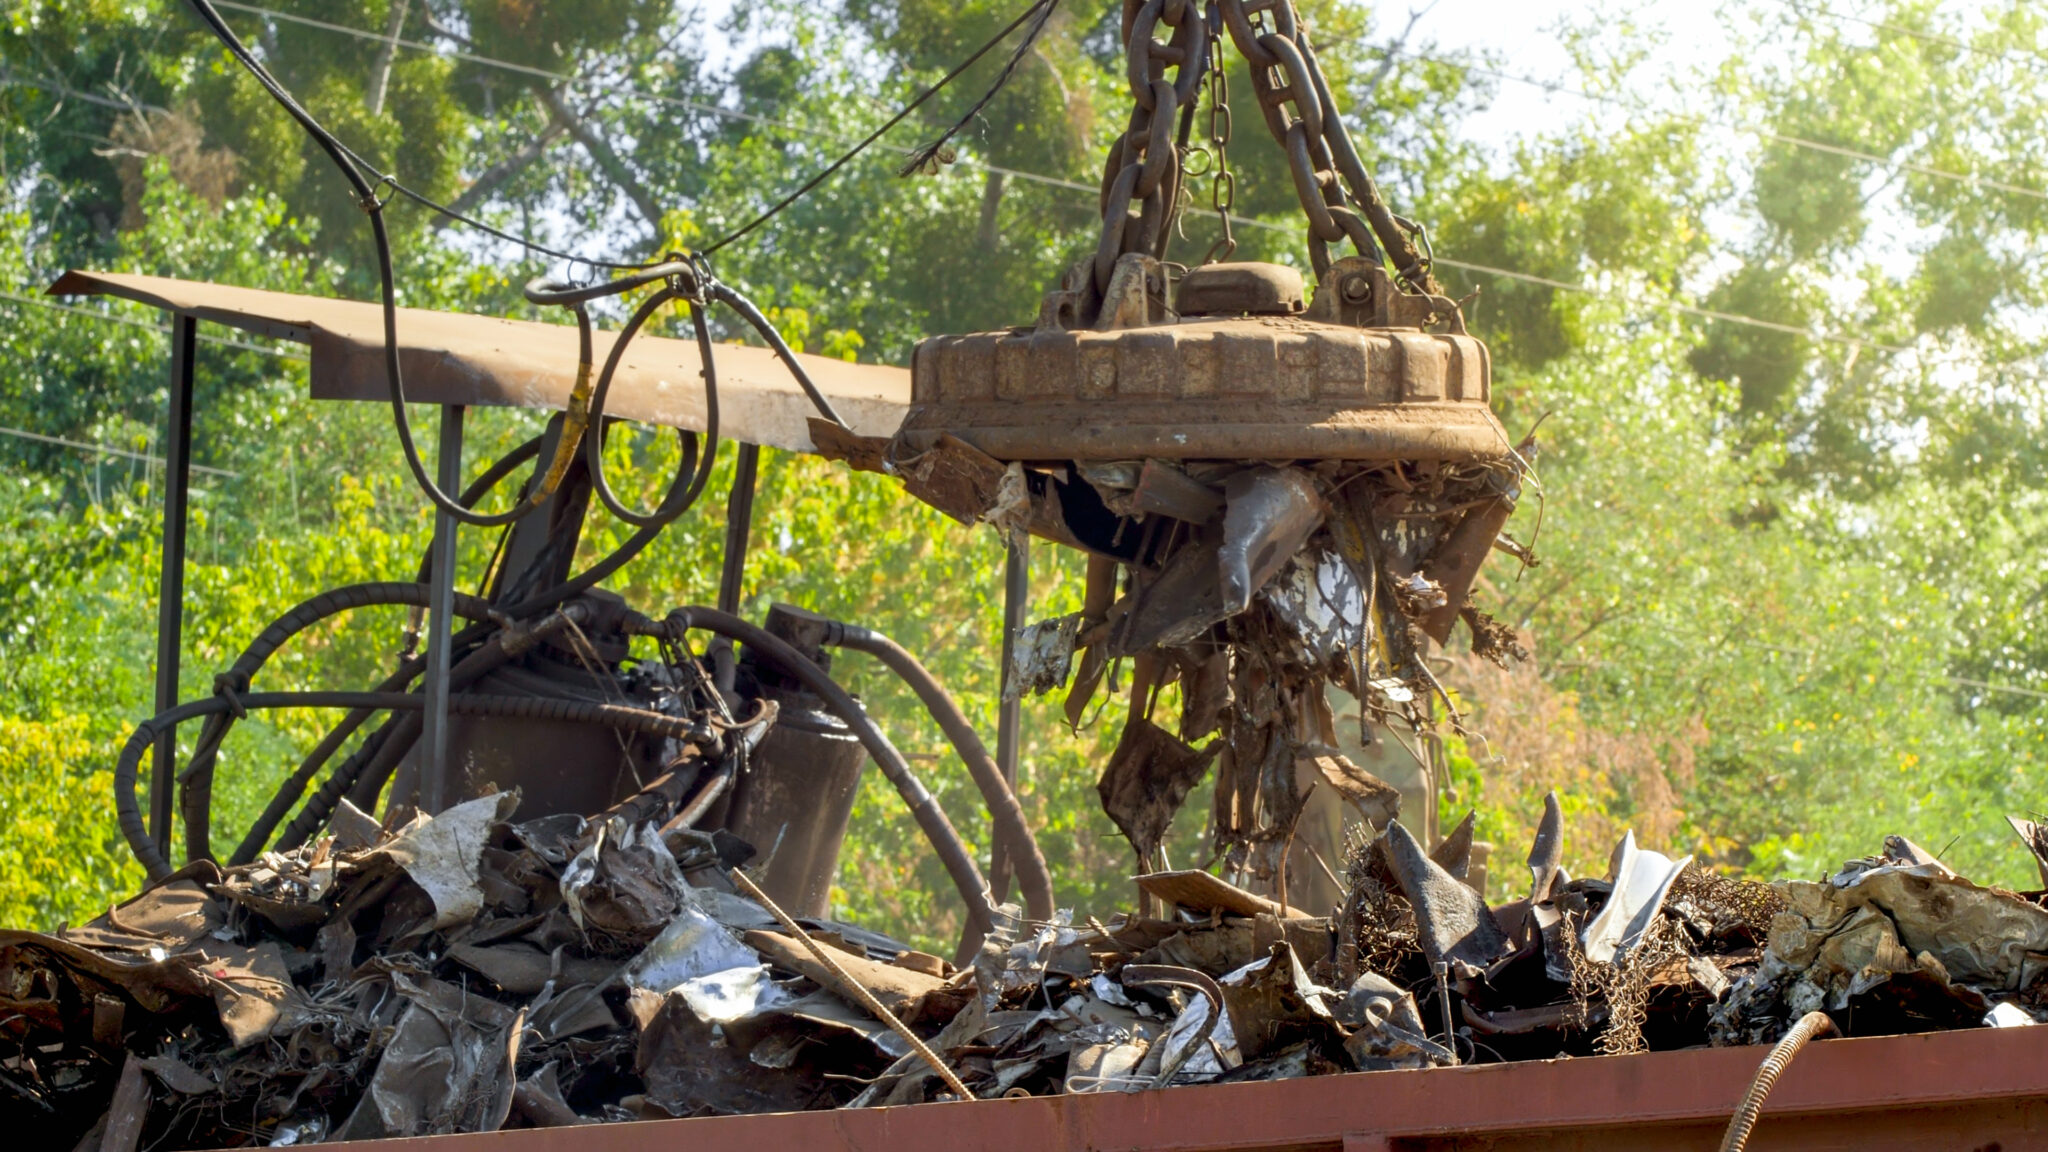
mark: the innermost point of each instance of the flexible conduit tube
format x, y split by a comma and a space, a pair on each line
967, 877
1005, 814
195, 783
1810, 1025
126, 771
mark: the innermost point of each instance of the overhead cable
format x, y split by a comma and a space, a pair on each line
1057, 182
108, 450
1464, 66
2015, 55
1640, 109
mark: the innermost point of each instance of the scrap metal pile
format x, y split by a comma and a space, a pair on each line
473, 971
552, 922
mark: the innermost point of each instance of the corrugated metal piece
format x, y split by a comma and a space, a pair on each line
1971, 1089
458, 358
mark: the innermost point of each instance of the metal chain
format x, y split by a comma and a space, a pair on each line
1336, 193
1223, 182
1143, 164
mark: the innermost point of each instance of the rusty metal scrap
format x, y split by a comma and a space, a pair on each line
457, 976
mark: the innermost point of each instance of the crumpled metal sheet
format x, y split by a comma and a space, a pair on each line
1453, 922
690, 946
1917, 933
447, 1067
1042, 657
1980, 935
442, 853
1146, 781
1641, 881
623, 884
1269, 515
1387, 1031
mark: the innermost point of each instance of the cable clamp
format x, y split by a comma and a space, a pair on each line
371, 204
229, 686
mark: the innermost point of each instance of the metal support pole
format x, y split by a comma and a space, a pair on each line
1010, 715
170, 599
739, 522
433, 747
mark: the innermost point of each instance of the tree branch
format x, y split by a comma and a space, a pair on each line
494, 177
380, 72
608, 161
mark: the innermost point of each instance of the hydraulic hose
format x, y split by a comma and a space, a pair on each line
494, 653
322, 805
967, 877
481, 486
1005, 814
128, 768
728, 296
1811, 1025
696, 466
366, 197
195, 783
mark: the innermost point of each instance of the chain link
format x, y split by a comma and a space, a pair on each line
1223, 183
1144, 164
1337, 195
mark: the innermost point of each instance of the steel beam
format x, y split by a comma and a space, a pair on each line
1979, 1088
170, 600
433, 748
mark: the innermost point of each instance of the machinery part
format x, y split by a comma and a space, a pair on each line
1295, 97
396, 735
724, 294
1144, 163
795, 801
1231, 289
695, 467
1006, 815
157, 727
1810, 1026
924, 807
1266, 388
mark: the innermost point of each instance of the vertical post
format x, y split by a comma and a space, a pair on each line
1010, 715
739, 522
433, 748
170, 598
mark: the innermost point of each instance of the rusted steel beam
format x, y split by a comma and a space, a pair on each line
1970, 1089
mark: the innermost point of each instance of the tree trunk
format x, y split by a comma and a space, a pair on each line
608, 160
991, 200
380, 72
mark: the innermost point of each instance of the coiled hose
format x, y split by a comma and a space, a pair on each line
1006, 816
924, 807
128, 768
195, 783
1811, 1025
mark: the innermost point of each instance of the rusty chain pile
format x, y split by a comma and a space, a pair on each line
1145, 164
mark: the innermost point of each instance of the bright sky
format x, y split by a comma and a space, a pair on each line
1520, 34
